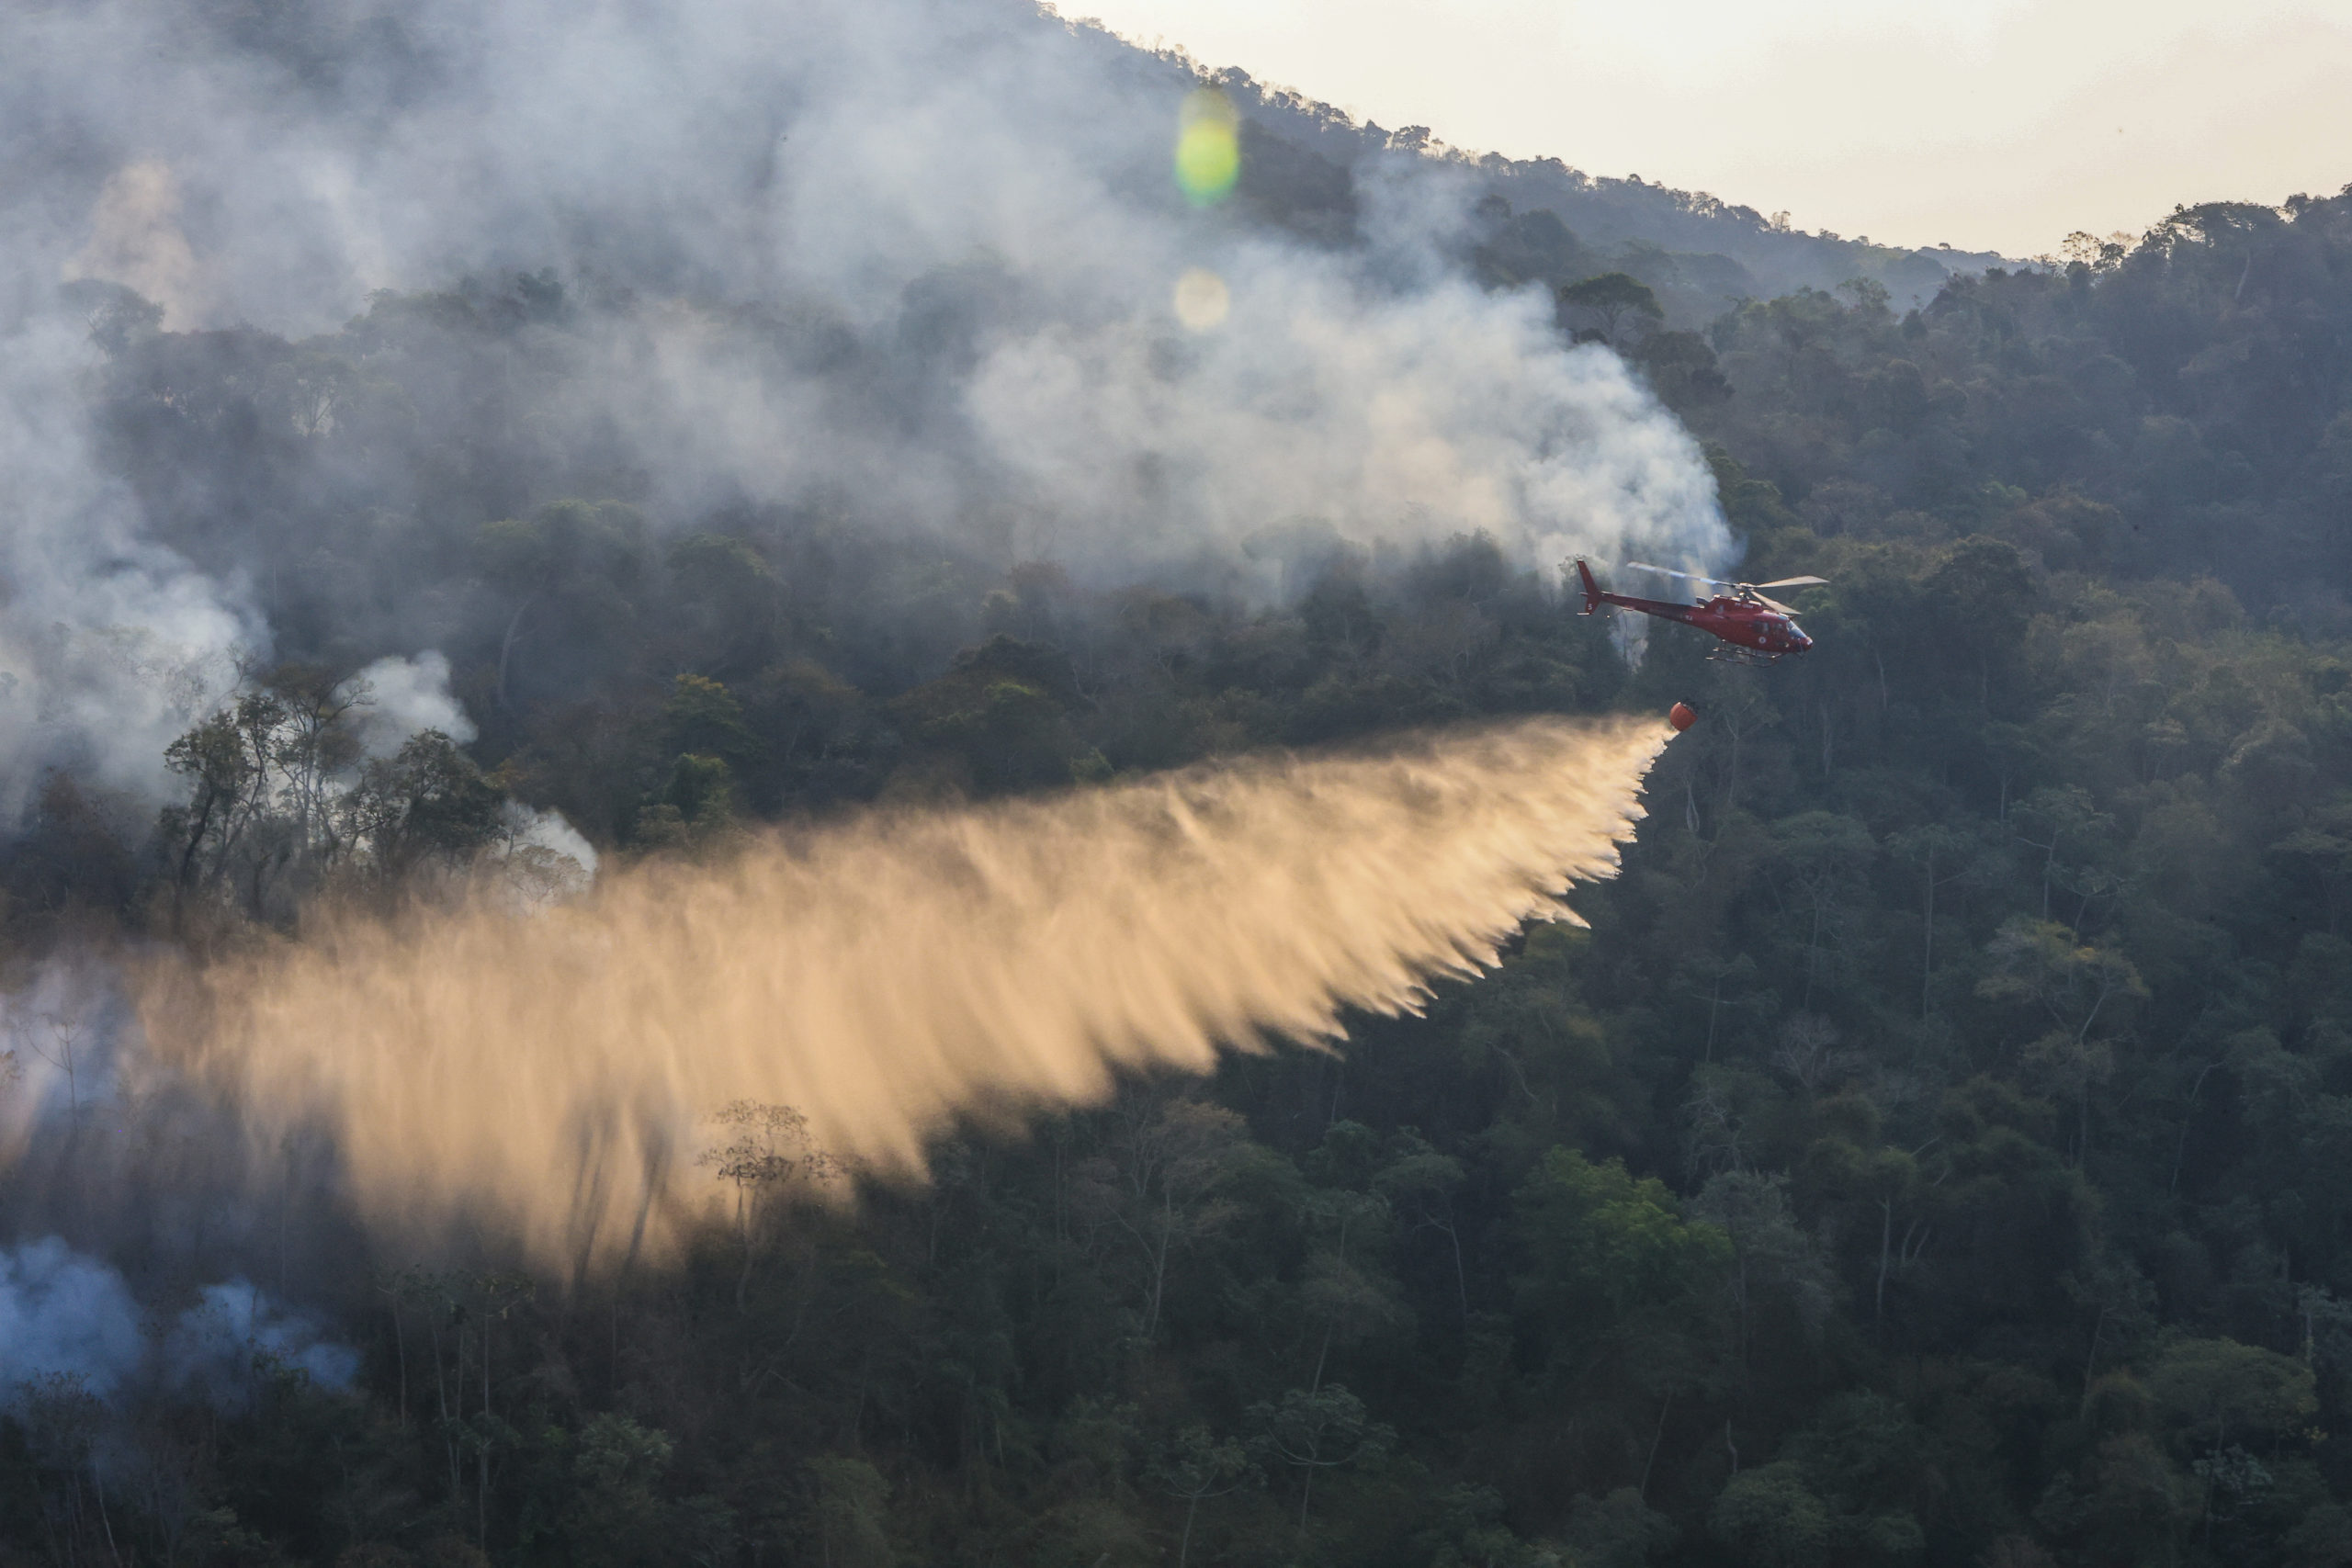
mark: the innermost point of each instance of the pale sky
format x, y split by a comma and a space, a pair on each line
1991, 124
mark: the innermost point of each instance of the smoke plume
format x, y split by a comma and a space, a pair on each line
67, 1316
64, 1314
549, 1076
913, 265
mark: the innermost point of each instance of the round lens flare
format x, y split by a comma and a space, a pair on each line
1208, 147
1202, 299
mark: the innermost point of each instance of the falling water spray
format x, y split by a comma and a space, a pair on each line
550, 1077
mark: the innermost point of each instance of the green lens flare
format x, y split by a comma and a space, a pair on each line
1209, 148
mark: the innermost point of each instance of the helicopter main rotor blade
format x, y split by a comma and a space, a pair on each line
1774, 604
1794, 582
1686, 576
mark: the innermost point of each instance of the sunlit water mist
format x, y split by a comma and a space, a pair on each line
551, 1075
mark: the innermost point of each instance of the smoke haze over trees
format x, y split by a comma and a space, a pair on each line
461, 442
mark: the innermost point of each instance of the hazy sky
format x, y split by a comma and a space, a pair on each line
1992, 124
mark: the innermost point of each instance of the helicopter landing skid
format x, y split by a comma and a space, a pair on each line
1731, 653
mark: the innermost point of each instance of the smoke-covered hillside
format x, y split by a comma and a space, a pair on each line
347, 287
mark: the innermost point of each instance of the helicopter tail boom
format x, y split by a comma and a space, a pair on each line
1595, 596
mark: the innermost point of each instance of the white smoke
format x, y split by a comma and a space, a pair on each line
235, 1331
541, 859
398, 697
547, 831
977, 198
1444, 411
64, 1314
109, 645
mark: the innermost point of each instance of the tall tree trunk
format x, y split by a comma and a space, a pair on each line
1885, 1239
1656, 1437
1927, 960
1160, 1260
743, 1218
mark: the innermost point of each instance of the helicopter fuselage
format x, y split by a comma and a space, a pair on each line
1743, 622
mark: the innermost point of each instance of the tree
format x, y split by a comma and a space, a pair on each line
1683, 370
314, 745
2038, 967
850, 1499
697, 807
1770, 1517
734, 602
1610, 296
1619, 1291
2221, 1391
1939, 852
426, 805
222, 773
1770, 1250
619, 1516
1822, 855
263, 799
1420, 1183
769, 1157
1196, 1466
2323, 845
1159, 1188
1317, 1430
2061, 815
1601, 1243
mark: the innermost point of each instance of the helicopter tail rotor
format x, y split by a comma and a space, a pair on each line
1592, 589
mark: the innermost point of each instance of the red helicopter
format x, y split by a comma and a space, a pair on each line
1755, 629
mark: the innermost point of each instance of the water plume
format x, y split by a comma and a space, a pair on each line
549, 1076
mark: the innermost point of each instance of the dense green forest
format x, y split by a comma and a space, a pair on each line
1938, 1149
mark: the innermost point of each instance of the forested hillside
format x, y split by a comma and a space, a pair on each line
1937, 1150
